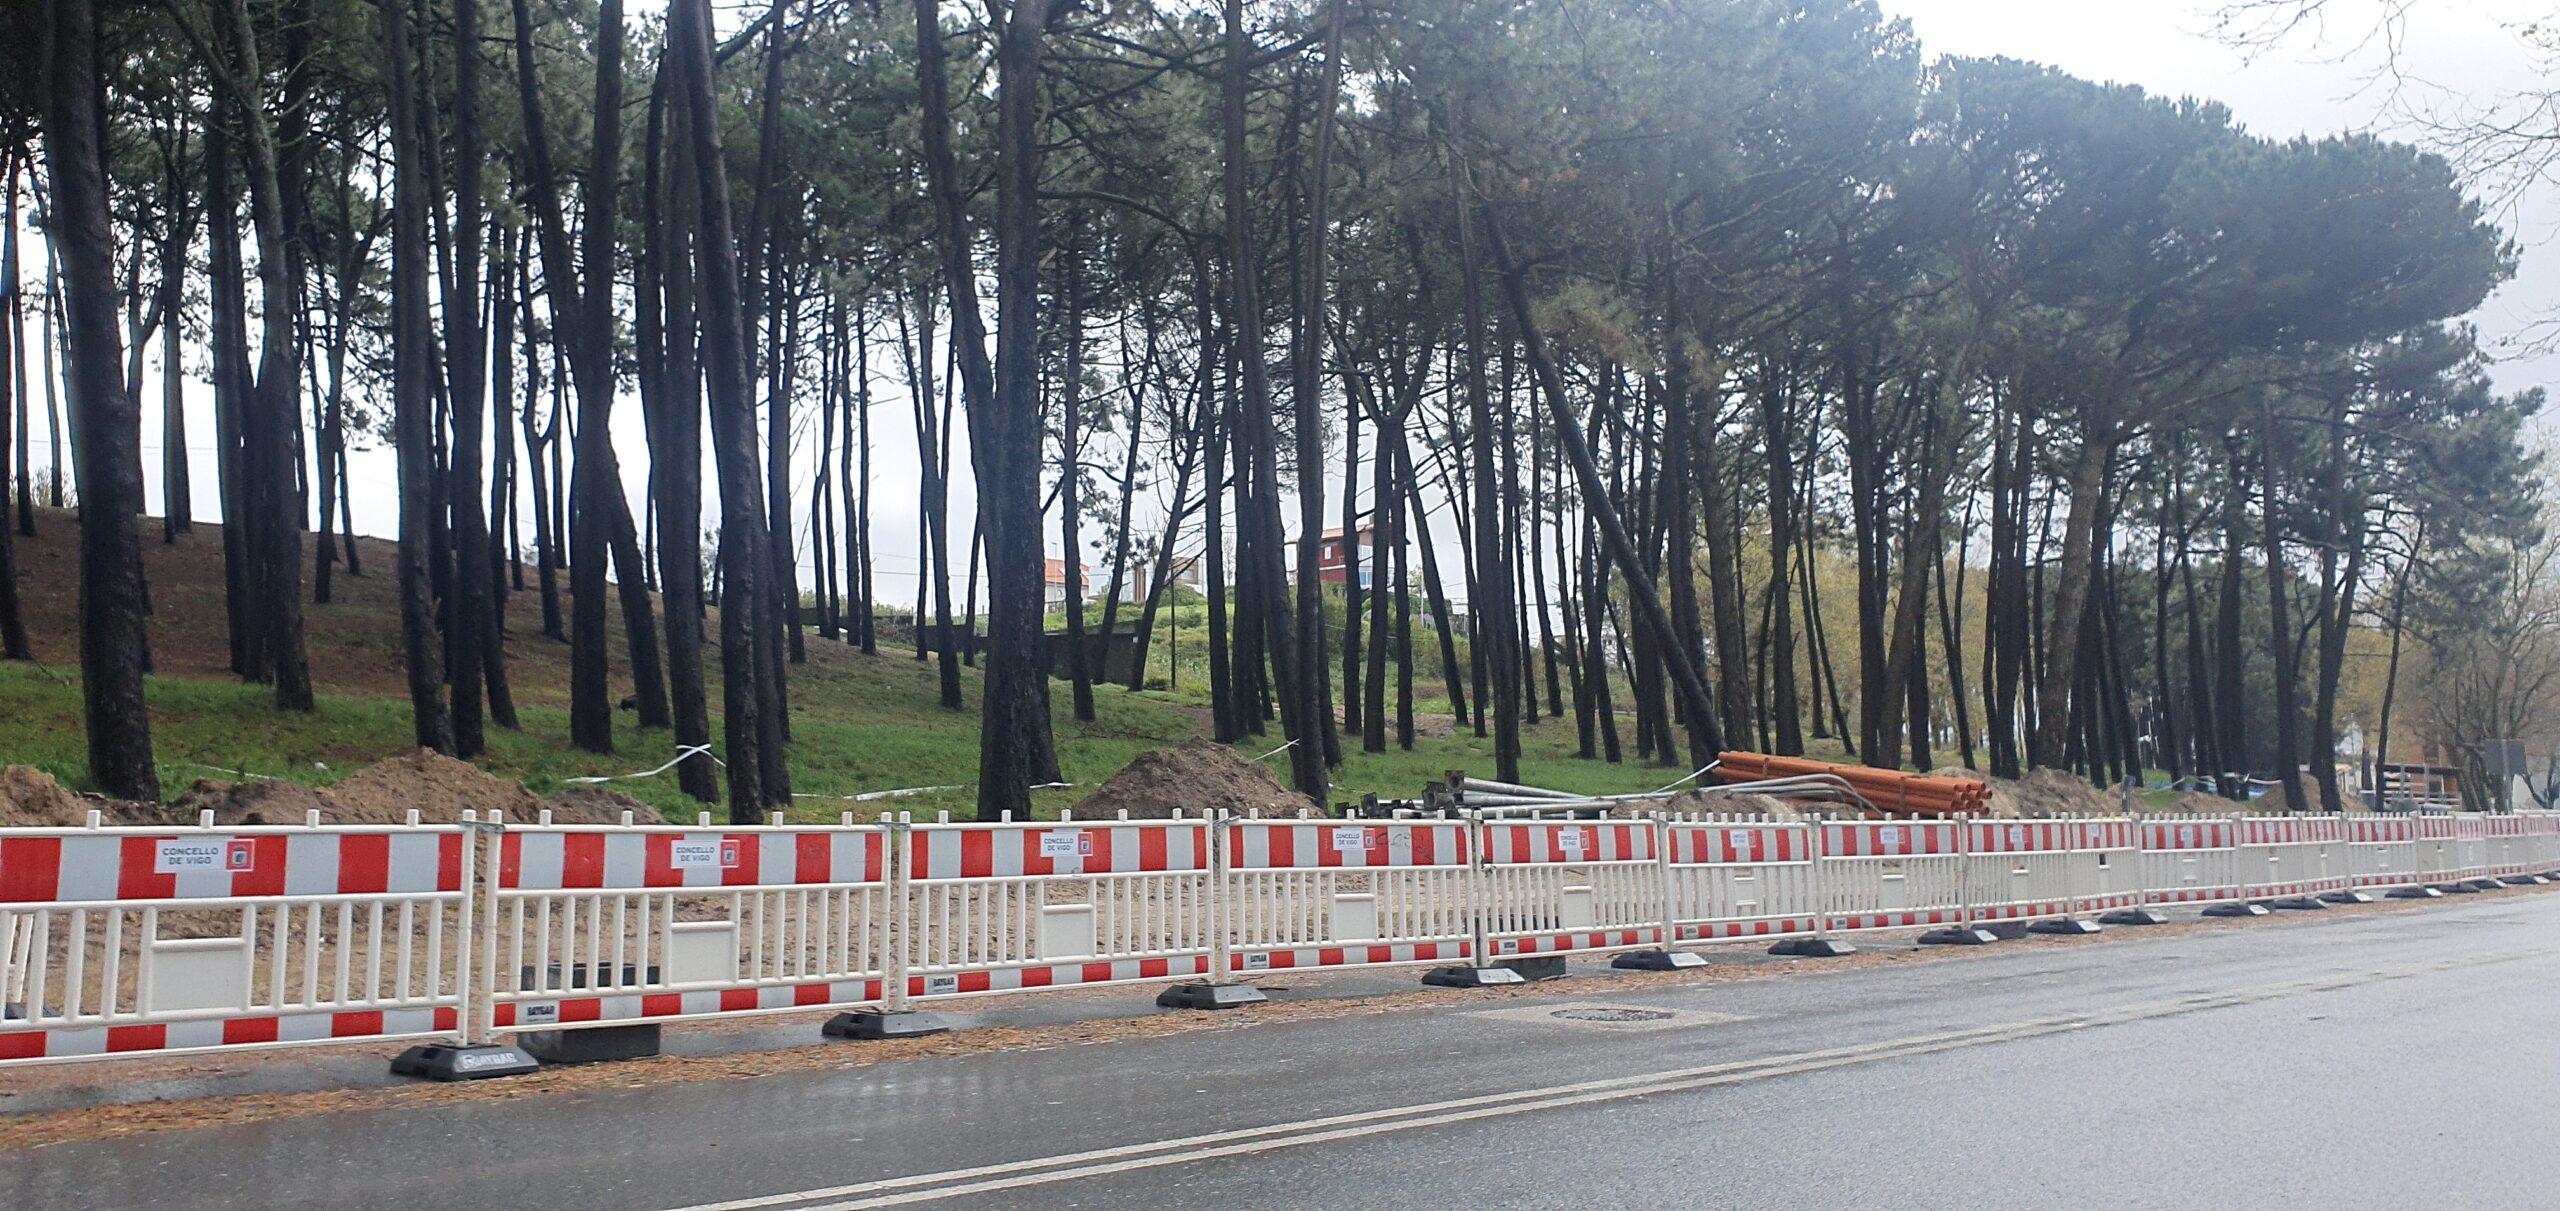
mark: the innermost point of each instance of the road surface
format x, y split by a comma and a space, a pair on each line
2368, 1059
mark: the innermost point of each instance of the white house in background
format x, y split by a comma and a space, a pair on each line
1053, 584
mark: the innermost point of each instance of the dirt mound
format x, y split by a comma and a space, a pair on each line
438, 787
30, 798
1202, 775
587, 804
1707, 803
260, 801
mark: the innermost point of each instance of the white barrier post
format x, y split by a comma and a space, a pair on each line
1219, 991
2242, 905
1479, 971
895, 1018
1666, 957
1967, 931
1821, 945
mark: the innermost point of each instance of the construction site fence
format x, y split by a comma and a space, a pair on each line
141, 941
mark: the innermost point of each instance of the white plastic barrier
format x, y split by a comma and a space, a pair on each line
2471, 848
1740, 879
2106, 871
140, 940
1000, 907
2439, 856
1892, 874
2279, 857
608, 926
1328, 893
1553, 888
2019, 870
2509, 847
2382, 853
2190, 860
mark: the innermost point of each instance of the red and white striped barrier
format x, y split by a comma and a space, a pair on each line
2020, 870
617, 926
2191, 860
134, 941
1553, 888
2382, 853
1741, 879
1891, 874
1001, 907
1327, 893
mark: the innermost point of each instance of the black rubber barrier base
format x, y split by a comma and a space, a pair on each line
1209, 996
1658, 960
873, 1025
2302, 904
2006, 931
2524, 880
2237, 910
447, 1062
2069, 927
2484, 885
2454, 889
1471, 977
2350, 896
2413, 893
594, 1045
1536, 968
2135, 916
1959, 937
1813, 948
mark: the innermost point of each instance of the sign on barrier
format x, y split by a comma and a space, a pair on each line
1889, 874
1000, 907
1741, 879
596, 925
129, 941
1337, 893
1552, 888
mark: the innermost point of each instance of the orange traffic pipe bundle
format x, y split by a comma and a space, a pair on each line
1888, 790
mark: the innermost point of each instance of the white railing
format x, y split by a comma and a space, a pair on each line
129, 941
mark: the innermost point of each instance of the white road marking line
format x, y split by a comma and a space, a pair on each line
956, 1183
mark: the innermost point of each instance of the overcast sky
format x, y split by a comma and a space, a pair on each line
2455, 55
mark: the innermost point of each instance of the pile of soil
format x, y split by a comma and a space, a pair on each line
1202, 775
2042, 794
437, 787
590, 804
259, 801
30, 798
1705, 804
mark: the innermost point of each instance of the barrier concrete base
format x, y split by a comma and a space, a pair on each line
2006, 931
1471, 977
1536, 967
873, 1025
1959, 936
2069, 927
1658, 960
2302, 904
2135, 916
2413, 893
2245, 909
2349, 896
1209, 996
594, 1045
450, 1062
1813, 948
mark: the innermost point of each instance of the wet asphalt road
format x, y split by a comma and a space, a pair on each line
2408, 1058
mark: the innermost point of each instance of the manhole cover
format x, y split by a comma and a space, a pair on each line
1615, 1016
